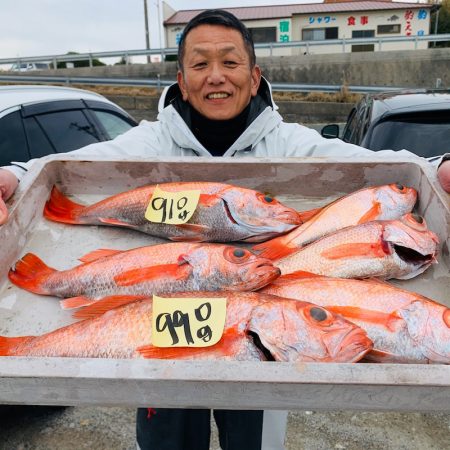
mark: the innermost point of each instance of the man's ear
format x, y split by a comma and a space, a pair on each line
182, 85
256, 79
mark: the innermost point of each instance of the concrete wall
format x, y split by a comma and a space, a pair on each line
292, 111
415, 69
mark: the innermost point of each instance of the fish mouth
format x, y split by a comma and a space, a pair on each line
412, 256
259, 276
289, 217
259, 345
353, 346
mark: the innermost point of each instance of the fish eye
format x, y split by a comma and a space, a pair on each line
267, 198
415, 221
238, 252
399, 187
236, 255
318, 314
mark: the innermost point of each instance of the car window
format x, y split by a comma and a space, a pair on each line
67, 130
350, 127
112, 123
427, 136
13, 144
38, 141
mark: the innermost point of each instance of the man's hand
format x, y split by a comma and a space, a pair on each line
8, 184
443, 175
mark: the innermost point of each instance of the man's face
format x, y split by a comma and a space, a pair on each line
217, 79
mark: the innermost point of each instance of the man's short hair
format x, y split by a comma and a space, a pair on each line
217, 17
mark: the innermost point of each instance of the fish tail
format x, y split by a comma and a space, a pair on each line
60, 209
30, 273
8, 345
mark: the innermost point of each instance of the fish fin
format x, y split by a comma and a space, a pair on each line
356, 249
150, 351
298, 275
29, 273
8, 344
197, 232
274, 249
76, 302
308, 215
372, 214
208, 200
135, 276
389, 321
105, 304
99, 253
60, 209
115, 222
225, 347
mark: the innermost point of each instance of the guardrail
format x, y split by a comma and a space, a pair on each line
158, 83
271, 46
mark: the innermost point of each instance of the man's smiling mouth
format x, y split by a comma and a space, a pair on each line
216, 95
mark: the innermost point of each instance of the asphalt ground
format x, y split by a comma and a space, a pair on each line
75, 428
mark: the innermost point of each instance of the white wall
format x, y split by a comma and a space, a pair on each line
290, 29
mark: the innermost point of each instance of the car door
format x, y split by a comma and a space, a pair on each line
41, 129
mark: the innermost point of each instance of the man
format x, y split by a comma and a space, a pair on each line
221, 106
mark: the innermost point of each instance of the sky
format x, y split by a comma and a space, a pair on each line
55, 27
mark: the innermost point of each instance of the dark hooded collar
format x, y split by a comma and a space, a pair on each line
217, 136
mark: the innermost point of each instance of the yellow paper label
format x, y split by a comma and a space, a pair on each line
188, 322
172, 208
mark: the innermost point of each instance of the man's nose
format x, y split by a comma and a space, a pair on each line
216, 75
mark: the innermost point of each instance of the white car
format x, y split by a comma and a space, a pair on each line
25, 67
41, 120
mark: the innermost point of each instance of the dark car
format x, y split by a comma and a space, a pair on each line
37, 121
415, 120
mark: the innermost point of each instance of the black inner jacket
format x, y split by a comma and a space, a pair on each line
217, 136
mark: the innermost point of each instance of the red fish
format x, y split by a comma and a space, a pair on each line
225, 213
145, 271
404, 326
386, 202
384, 248
257, 327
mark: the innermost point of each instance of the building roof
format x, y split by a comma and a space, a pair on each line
286, 11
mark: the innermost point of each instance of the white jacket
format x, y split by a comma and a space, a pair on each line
266, 136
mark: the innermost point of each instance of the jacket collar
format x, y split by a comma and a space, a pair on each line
183, 137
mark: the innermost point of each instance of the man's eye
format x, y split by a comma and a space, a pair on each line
199, 65
230, 63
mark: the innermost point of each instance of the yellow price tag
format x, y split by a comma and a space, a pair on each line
188, 322
173, 208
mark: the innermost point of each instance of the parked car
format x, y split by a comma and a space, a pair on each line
416, 120
25, 67
41, 120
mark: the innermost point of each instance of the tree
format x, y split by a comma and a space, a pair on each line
443, 16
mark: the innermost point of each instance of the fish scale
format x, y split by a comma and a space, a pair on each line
225, 213
367, 250
287, 329
145, 271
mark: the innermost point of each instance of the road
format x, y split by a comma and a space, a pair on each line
42, 428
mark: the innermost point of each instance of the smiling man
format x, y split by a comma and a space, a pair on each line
220, 106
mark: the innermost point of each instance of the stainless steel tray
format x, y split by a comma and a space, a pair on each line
301, 183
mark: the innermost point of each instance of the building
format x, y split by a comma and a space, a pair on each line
312, 25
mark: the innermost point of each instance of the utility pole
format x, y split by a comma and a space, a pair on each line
159, 30
147, 36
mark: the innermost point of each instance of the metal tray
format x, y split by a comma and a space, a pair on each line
301, 183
